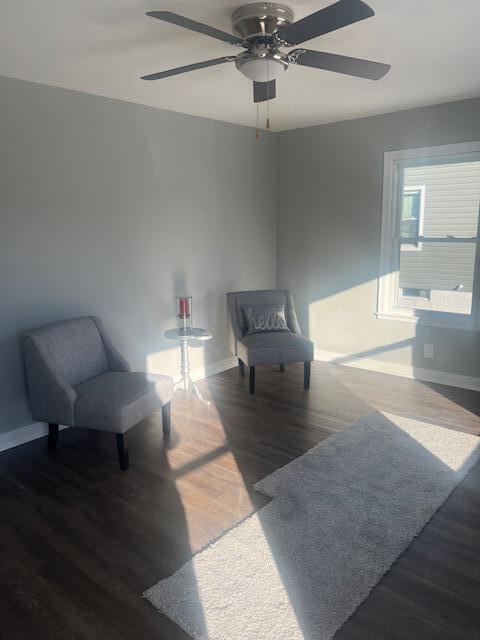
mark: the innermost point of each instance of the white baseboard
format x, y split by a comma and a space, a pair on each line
23, 434
405, 371
39, 429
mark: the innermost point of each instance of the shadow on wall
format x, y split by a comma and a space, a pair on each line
354, 357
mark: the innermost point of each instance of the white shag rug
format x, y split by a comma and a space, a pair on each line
340, 516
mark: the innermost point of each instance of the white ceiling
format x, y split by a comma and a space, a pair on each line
104, 46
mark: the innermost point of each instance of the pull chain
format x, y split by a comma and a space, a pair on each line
268, 96
257, 135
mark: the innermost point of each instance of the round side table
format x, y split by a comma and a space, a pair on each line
183, 337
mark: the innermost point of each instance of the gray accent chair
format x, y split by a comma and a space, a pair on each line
77, 378
267, 347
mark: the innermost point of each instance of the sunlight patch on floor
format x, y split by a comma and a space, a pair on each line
207, 477
454, 452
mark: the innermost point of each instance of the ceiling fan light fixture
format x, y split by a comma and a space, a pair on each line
261, 68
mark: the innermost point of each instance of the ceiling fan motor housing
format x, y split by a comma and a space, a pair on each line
256, 23
260, 19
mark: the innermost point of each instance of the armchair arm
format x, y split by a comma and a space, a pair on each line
116, 362
292, 320
233, 326
52, 399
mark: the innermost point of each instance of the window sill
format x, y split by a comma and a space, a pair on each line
432, 320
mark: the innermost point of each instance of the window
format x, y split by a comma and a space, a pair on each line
430, 253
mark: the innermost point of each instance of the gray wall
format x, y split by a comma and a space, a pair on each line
111, 208
328, 233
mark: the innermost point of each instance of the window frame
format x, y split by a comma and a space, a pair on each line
421, 190
392, 199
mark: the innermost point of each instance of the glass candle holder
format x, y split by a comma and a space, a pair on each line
184, 313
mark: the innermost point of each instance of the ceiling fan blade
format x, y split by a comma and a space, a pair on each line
181, 21
188, 67
264, 91
336, 16
340, 64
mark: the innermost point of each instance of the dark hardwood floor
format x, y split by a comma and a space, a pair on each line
80, 540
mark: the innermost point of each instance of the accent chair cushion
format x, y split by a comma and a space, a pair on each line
116, 400
274, 347
265, 317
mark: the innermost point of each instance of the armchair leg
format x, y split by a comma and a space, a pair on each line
282, 367
122, 451
166, 412
52, 437
252, 379
306, 374
241, 368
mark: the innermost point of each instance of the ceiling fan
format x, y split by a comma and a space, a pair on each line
263, 28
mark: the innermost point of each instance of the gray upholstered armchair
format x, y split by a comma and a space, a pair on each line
264, 330
76, 377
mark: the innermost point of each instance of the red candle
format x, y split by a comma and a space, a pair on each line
184, 307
